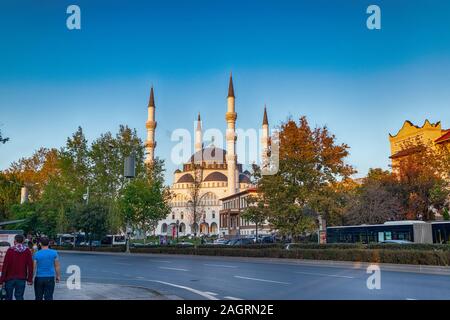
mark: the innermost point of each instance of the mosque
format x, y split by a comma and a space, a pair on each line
210, 174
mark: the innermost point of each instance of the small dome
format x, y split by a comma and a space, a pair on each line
187, 178
243, 178
177, 171
216, 176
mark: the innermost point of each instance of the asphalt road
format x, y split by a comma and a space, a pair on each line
200, 277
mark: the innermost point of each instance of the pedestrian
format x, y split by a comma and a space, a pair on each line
47, 270
17, 269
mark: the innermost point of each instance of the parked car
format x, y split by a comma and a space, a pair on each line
185, 244
221, 241
397, 241
241, 242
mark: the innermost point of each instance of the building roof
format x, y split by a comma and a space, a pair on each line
186, 178
246, 191
407, 152
216, 176
426, 124
444, 138
210, 154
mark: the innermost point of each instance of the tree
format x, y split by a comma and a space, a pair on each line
257, 210
9, 194
195, 203
92, 219
34, 172
309, 161
3, 140
144, 200
423, 181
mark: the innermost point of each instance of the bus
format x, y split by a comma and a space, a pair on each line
114, 240
391, 231
441, 231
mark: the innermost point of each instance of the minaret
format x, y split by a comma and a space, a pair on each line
265, 141
150, 144
230, 117
198, 135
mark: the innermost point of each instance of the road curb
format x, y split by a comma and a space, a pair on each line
424, 269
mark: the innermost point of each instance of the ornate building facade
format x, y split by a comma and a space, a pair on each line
210, 174
411, 139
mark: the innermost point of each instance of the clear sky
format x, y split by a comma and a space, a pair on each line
313, 58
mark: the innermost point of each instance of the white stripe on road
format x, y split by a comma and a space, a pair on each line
410, 299
165, 261
211, 293
232, 298
200, 293
220, 265
176, 269
263, 280
122, 263
324, 275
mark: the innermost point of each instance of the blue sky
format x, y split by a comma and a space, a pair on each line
313, 58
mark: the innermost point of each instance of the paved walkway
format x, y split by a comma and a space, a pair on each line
95, 291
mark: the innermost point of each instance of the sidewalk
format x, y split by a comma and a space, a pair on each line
96, 291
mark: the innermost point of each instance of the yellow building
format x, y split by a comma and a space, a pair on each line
411, 139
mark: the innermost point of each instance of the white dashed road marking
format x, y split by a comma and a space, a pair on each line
200, 293
325, 275
262, 280
220, 265
232, 298
176, 269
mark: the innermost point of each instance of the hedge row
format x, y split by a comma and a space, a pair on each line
420, 257
87, 248
382, 246
397, 256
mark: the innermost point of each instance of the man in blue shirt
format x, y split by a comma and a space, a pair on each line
47, 270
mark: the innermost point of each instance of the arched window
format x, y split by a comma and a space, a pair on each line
164, 228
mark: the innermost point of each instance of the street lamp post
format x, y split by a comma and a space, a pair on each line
178, 223
128, 231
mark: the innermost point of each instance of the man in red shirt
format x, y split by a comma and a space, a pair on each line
17, 269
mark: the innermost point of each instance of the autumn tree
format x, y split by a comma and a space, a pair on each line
376, 200
35, 172
309, 161
424, 180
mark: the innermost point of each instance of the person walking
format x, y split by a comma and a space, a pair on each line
47, 270
17, 269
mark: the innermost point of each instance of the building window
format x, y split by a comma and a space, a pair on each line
182, 216
213, 214
173, 217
